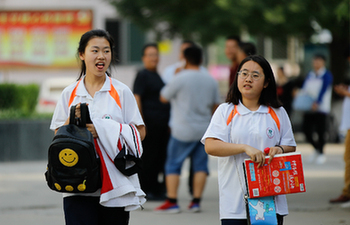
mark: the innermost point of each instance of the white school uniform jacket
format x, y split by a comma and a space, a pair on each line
263, 128
111, 109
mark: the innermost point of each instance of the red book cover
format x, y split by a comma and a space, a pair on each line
284, 175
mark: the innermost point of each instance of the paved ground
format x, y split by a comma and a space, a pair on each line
25, 198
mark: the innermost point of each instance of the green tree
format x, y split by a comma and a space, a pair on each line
205, 20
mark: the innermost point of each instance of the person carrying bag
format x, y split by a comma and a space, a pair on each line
73, 165
251, 120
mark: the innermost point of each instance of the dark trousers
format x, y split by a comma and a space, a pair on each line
245, 222
83, 210
153, 159
315, 122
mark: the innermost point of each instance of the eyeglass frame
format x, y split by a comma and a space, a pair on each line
251, 75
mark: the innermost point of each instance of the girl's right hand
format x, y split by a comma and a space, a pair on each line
255, 155
77, 111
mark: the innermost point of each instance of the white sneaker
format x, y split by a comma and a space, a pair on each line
345, 205
313, 156
321, 159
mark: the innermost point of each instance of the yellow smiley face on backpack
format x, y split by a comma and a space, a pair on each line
68, 157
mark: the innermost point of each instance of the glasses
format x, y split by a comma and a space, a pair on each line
253, 75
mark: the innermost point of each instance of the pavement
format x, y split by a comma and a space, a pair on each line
25, 198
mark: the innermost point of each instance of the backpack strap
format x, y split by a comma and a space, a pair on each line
84, 113
72, 115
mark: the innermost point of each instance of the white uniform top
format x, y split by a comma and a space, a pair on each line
120, 106
257, 129
345, 121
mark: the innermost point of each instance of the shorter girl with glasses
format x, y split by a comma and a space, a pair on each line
251, 120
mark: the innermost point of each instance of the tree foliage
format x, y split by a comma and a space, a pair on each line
205, 20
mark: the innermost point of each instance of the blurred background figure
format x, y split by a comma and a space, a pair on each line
285, 89
194, 96
245, 49
155, 114
168, 75
318, 85
231, 50
344, 91
170, 71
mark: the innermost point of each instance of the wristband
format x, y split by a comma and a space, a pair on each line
279, 146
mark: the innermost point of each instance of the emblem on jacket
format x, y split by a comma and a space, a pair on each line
107, 117
270, 132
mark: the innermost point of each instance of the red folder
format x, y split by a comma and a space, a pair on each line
284, 175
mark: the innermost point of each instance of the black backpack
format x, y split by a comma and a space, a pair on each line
73, 166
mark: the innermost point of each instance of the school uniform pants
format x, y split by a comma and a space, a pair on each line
245, 221
86, 210
346, 190
315, 122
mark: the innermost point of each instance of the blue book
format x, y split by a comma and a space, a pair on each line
262, 211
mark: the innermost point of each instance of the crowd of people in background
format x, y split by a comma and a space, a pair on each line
179, 115
170, 90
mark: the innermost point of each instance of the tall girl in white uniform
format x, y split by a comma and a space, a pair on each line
251, 120
111, 105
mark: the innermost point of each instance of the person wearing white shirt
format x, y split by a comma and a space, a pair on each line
194, 96
111, 105
251, 120
318, 85
170, 71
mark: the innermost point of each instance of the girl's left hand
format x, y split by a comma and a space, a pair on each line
274, 151
92, 129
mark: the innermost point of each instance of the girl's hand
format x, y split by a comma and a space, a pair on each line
274, 151
77, 111
255, 155
92, 129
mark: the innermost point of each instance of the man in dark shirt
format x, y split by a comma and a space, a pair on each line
155, 114
231, 49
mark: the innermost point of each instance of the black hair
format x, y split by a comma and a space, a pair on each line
248, 48
191, 43
154, 45
320, 56
268, 95
193, 55
347, 52
234, 38
84, 40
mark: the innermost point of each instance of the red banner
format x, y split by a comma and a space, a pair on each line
42, 38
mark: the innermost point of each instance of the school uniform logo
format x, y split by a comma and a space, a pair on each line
270, 132
107, 117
